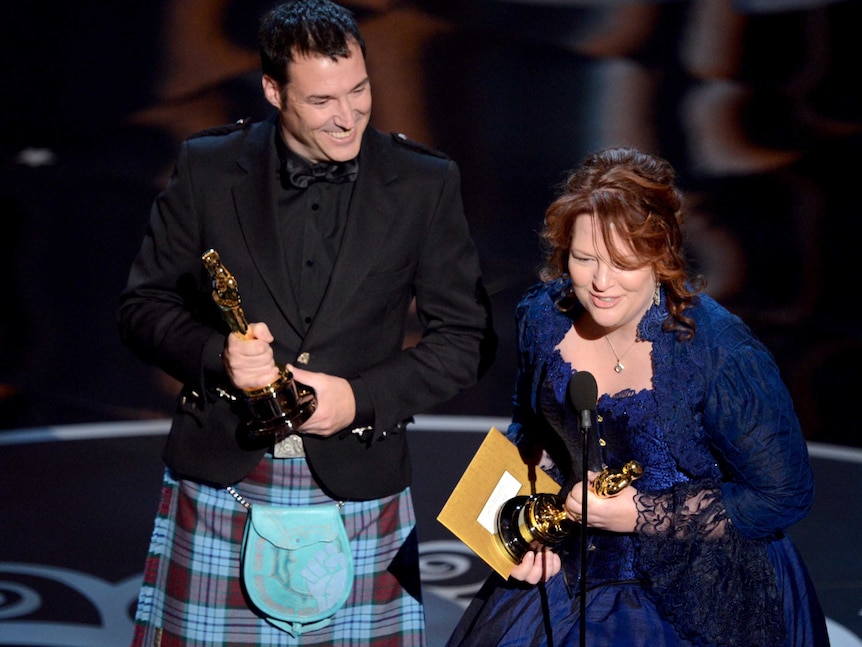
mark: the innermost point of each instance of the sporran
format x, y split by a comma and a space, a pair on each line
296, 565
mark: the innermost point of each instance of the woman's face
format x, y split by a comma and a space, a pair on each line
612, 296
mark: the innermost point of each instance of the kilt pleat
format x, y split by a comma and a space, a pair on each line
191, 594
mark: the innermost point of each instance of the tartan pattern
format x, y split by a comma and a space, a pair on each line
191, 595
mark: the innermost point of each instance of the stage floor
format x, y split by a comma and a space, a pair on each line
79, 502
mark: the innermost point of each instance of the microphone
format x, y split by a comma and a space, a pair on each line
583, 393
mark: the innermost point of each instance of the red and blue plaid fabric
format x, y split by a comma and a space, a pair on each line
191, 595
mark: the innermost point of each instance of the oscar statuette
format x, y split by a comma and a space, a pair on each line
527, 523
276, 410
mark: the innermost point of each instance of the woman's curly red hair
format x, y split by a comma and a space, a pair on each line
633, 195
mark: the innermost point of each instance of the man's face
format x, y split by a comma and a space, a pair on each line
326, 106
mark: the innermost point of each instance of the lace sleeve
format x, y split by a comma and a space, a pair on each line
682, 516
713, 584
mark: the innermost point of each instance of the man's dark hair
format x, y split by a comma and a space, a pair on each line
305, 27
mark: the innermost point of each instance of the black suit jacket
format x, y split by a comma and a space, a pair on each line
406, 236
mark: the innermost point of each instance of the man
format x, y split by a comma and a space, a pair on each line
327, 271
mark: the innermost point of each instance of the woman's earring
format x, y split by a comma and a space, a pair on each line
566, 302
656, 296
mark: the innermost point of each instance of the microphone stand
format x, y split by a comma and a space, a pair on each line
585, 427
583, 394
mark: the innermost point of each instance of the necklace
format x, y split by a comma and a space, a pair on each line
620, 367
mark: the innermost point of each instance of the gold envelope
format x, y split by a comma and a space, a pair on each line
495, 474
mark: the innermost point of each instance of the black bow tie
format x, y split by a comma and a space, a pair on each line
300, 175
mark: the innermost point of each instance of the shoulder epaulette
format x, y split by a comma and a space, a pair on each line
403, 140
225, 129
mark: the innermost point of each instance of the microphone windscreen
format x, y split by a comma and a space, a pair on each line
583, 391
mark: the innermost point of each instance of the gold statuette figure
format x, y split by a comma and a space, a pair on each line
277, 410
610, 483
226, 293
527, 523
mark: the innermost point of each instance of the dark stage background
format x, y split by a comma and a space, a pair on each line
759, 110
756, 102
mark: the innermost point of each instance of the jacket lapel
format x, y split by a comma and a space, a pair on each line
255, 200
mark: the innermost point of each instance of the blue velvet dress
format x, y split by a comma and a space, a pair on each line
726, 471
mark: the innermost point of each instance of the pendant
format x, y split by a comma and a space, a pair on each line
619, 367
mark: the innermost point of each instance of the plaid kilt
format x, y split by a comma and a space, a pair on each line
191, 593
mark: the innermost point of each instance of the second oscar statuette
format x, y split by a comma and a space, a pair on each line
527, 523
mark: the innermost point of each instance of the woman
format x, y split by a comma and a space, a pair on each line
693, 552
